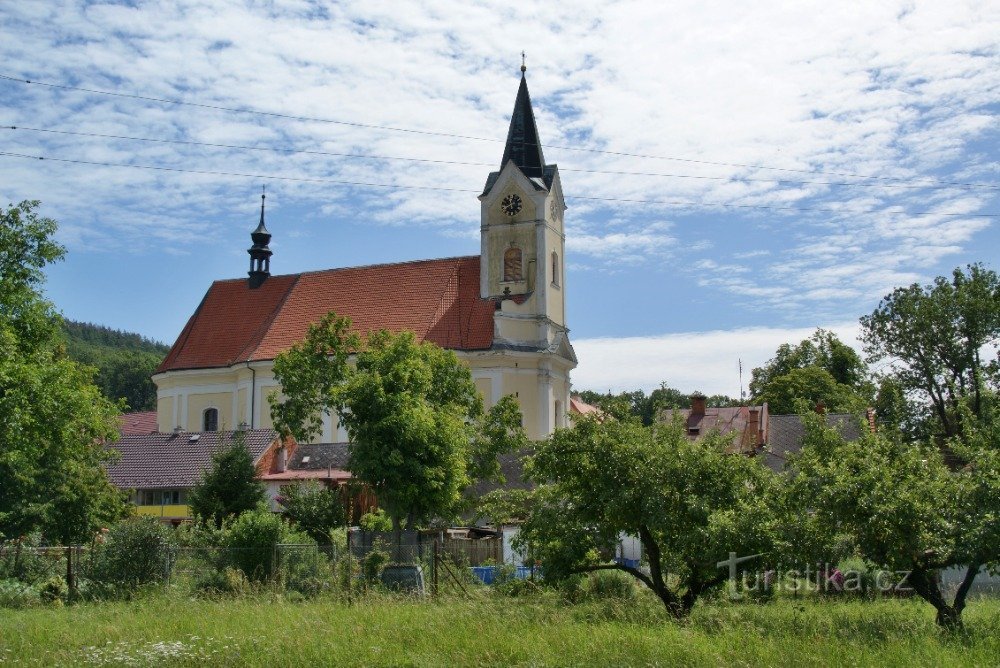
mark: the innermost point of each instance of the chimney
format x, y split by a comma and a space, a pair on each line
753, 427
870, 413
697, 404
281, 459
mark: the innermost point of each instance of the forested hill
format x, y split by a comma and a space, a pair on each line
124, 361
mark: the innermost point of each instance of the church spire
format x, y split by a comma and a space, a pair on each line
260, 253
523, 145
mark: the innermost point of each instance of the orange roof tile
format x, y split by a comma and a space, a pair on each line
438, 300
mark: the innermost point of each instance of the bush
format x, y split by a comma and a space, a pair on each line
313, 508
52, 590
373, 563
16, 594
605, 585
228, 581
376, 520
252, 540
19, 560
137, 552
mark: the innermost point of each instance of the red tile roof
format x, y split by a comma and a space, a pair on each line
732, 421
438, 300
137, 424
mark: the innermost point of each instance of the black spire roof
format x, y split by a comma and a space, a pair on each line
260, 253
523, 145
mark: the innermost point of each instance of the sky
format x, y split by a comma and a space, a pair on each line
737, 174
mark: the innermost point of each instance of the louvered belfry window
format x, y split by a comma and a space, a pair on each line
211, 420
512, 264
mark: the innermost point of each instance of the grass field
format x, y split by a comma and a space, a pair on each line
164, 629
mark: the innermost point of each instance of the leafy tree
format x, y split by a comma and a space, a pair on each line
314, 508
933, 336
229, 487
419, 435
821, 368
903, 508
53, 420
689, 503
649, 407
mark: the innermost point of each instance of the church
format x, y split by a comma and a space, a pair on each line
503, 312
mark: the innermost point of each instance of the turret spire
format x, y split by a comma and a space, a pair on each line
523, 145
260, 253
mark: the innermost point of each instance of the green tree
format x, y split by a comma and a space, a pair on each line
53, 420
648, 408
229, 487
820, 369
419, 435
903, 508
933, 337
313, 508
689, 503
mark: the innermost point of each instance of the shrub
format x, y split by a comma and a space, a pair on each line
228, 581
375, 520
252, 540
19, 560
52, 590
605, 585
16, 594
137, 552
373, 563
313, 508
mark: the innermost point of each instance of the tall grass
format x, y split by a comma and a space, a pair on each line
487, 629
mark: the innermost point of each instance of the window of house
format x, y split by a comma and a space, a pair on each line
512, 264
210, 419
555, 269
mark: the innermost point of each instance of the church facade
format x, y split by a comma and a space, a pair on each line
503, 312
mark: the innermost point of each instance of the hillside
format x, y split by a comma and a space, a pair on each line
124, 361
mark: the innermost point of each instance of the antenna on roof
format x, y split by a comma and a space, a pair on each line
743, 395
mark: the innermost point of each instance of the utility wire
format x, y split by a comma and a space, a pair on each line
363, 156
367, 184
389, 128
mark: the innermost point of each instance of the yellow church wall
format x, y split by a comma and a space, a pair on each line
164, 413
198, 403
241, 407
485, 388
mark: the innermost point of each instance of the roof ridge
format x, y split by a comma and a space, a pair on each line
358, 266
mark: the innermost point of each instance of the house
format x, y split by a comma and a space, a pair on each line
503, 311
746, 427
160, 469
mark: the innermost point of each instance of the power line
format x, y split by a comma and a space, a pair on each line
389, 128
363, 156
367, 184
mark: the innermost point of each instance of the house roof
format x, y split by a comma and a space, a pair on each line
320, 456
578, 405
727, 421
523, 145
135, 424
163, 460
438, 300
786, 434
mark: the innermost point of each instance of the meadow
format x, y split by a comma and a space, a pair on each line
486, 629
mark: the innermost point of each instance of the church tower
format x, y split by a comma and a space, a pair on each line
260, 252
522, 262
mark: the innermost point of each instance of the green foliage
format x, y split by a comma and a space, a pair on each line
934, 335
689, 503
227, 581
604, 585
229, 486
313, 508
375, 520
125, 362
819, 369
418, 432
53, 590
53, 420
17, 594
373, 563
902, 506
251, 542
20, 560
649, 407
136, 552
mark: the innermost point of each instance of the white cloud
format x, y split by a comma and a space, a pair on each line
689, 361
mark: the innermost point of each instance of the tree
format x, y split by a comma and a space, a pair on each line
54, 422
314, 508
229, 487
933, 337
820, 369
649, 407
689, 503
418, 432
903, 508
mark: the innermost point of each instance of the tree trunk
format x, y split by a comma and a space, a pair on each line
926, 585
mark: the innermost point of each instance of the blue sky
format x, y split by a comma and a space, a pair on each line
752, 127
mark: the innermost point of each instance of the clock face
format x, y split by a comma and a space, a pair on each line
511, 205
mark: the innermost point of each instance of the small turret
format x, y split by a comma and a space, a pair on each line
260, 254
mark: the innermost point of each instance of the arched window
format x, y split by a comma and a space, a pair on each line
555, 268
512, 264
210, 419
